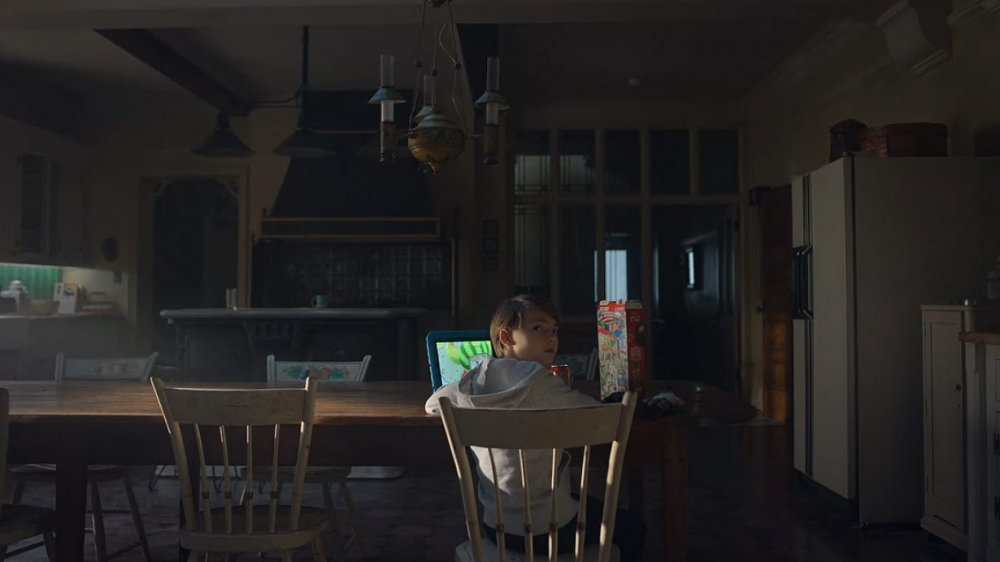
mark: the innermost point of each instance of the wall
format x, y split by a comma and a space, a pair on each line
847, 72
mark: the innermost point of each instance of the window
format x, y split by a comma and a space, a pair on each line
531, 162
615, 274
581, 240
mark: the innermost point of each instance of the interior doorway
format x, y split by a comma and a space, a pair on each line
695, 328
195, 250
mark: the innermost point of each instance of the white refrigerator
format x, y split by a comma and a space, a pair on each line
873, 239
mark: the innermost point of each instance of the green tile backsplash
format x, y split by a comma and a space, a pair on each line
39, 279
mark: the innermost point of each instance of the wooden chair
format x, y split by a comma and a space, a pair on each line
199, 413
19, 522
294, 373
136, 369
527, 430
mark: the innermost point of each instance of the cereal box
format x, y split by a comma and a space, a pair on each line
622, 360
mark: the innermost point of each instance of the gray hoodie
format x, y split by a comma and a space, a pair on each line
509, 383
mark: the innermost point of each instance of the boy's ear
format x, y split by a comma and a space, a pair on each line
505, 337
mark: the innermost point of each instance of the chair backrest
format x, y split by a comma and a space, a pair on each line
294, 373
581, 365
554, 430
106, 368
226, 419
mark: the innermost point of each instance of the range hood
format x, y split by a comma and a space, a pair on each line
351, 192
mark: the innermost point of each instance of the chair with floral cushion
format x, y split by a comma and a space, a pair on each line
96, 371
294, 373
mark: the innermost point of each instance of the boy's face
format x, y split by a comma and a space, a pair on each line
537, 339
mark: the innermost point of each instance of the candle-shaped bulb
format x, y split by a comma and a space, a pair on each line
493, 74
386, 72
430, 90
387, 112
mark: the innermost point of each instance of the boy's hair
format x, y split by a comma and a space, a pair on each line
510, 314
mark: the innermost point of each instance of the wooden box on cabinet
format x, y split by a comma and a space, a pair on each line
944, 415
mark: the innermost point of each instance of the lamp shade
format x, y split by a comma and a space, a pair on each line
305, 143
223, 142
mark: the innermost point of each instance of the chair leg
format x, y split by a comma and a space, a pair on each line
136, 516
317, 548
97, 515
50, 545
18, 492
351, 516
328, 502
158, 471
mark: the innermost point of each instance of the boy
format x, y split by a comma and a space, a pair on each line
525, 335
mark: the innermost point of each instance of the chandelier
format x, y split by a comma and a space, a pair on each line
432, 137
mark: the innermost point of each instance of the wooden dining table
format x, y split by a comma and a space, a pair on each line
75, 424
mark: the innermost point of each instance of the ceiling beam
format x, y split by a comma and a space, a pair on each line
148, 14
158, 55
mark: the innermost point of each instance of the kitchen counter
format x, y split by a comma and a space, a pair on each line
77, 316
988, 338
29, 343
232, 344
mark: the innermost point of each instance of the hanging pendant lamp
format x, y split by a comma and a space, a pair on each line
304, 142
223, 142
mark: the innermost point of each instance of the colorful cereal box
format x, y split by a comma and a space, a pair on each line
622, 360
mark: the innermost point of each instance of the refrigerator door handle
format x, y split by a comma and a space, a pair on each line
802, 282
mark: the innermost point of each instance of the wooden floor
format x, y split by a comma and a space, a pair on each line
746, 505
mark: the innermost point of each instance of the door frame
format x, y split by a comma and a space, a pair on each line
141, 290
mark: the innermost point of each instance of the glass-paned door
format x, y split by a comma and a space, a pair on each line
670, 161
719, 160
531, 248
623, 253
622, 155
577, 244
532, 156
577, 161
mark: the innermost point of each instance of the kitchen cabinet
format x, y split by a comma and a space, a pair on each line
982, 350
991, 454
944, 415
48, 209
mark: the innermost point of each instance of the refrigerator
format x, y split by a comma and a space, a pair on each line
873, 239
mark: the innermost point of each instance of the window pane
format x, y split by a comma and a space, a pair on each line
576, 161
621, 161
622, 253
531, 248
531, 162
577, 243
670, 161
719, 161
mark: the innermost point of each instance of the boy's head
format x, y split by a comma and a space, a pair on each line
526, 327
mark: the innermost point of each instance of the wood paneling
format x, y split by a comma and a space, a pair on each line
776, 292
